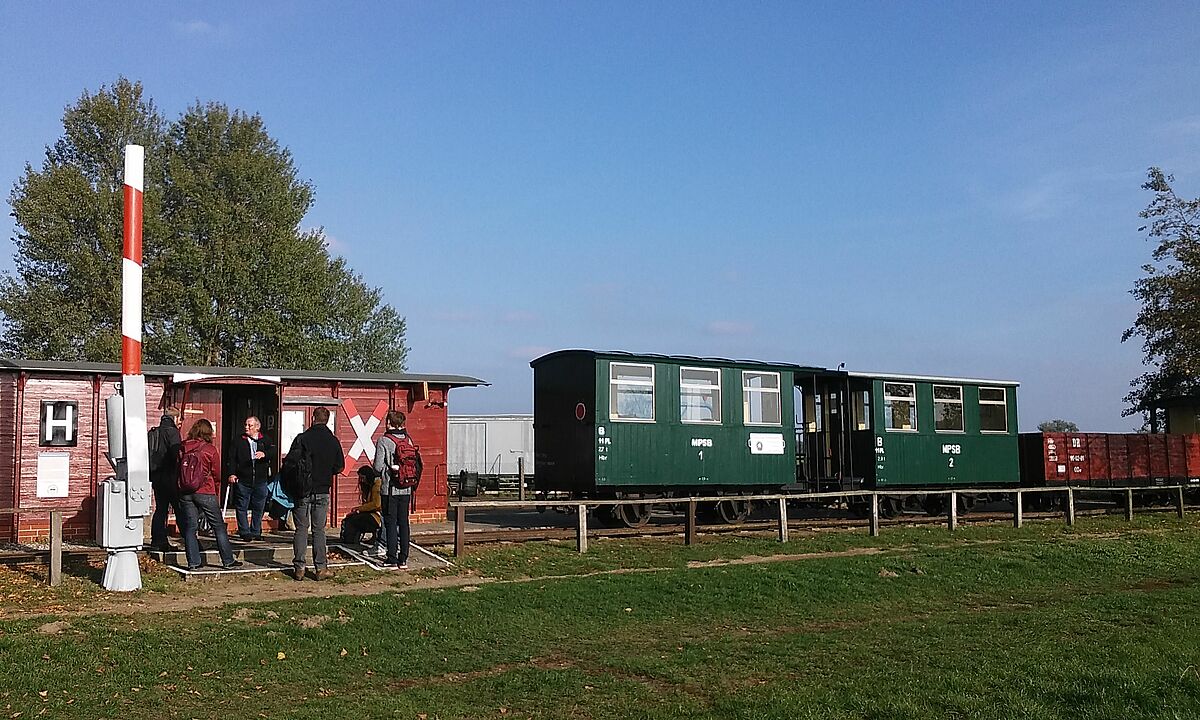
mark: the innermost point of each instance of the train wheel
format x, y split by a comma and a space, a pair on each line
631, 516
934, 505
889, 507
732, 512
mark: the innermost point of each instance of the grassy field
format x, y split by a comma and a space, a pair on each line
1042, 622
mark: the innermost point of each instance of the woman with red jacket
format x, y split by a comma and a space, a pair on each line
199, 484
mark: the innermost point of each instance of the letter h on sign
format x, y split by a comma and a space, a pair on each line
59, 425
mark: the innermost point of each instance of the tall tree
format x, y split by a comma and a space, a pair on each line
1057, 425
64, 301
1169, 321
231, 277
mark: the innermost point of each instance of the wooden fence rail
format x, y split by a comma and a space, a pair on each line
56, 537
462, 507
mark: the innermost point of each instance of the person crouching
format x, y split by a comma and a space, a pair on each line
366, 517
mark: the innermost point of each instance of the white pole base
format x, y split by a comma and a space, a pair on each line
121, 572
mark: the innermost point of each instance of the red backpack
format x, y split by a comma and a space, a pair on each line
408, 458
193, 469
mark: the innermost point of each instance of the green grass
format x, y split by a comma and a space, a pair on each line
1043, 622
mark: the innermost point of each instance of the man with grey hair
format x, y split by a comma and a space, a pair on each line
250, 470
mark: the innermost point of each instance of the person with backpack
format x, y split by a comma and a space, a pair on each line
163, 442
199, 482
249, 475
398, 460
313, 459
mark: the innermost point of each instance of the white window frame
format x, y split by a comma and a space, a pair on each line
614, 384
962, 417
715, 388
1003, 402
746, 390
887, 411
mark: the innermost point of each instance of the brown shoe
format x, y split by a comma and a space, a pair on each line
298, 574
322, 574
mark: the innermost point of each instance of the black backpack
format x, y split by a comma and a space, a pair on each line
157, 448
296, 474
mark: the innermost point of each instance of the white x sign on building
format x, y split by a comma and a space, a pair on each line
363, 429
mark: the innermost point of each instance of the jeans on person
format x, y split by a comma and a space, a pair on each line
395, 527
166, 498
193, 507
355, 525
252, 497
312, 511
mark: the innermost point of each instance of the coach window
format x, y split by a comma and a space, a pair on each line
760, 398
700, 395
900, 406
862, 409
993, 410
947, 408
631, 392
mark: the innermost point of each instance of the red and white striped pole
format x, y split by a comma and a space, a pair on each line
131, 265
125, 498
133, 383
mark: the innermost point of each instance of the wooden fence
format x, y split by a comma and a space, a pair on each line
56, 537
1017, 495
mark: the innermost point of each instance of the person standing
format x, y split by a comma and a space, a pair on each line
199, 482
395, 460
163, 480
325, 459
249, 474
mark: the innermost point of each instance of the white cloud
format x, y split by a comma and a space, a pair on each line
1185, 128
528, 352
518, 317
727, 328
195, 28
335, 245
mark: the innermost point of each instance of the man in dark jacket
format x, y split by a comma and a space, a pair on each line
312, 510
249, 472
164, 480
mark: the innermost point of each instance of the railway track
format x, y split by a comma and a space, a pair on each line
476, 537
656, 529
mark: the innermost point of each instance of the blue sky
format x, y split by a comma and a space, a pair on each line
934, 188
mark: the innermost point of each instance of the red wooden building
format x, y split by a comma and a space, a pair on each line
53, 430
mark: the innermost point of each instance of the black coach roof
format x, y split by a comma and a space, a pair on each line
652, 357
50, 366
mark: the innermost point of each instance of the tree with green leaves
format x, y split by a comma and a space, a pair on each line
1058, 425
1169, 321
230, 279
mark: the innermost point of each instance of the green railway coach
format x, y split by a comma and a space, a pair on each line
613, 424
885, 431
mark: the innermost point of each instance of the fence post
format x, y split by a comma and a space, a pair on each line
952, 513
1018, 511
1071, 506
1179, 500
56, 538
1128, 505
521, 477
689, 533
874, 515
582, 539
783, 520
460, 531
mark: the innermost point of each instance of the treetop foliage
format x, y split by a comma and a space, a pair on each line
1057, 425
230, 276
1169, 321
